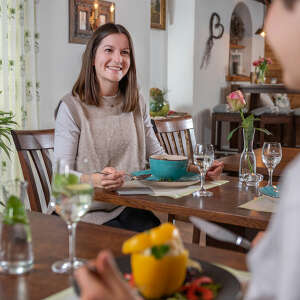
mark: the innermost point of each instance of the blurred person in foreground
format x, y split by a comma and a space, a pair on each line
275, 259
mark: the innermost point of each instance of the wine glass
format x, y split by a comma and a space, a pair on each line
271, 157
203, 158
72, 201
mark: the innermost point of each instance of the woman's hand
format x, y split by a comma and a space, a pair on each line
107, 284
110, 180
213, 173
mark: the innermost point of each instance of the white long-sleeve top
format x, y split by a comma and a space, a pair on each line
275, 261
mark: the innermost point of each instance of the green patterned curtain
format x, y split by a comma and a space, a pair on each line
19, 85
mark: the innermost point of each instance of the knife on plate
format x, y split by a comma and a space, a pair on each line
219, 233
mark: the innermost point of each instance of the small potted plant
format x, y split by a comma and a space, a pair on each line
158, 103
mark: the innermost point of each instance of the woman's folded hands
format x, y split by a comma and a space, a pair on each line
109, 178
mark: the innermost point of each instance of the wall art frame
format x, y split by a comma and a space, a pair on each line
80, 12
158, 14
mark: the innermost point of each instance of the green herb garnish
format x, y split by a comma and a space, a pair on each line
61, 181
160, 251
14, 212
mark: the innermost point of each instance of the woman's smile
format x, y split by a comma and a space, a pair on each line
112, 60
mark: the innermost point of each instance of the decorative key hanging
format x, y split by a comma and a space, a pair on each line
214, 24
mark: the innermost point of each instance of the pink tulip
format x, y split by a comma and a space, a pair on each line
269, 61
236, 100
255, 63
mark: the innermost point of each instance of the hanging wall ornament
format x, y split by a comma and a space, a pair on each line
216, 30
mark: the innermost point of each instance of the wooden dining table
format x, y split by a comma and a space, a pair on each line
50, 243
232, 162
222, 207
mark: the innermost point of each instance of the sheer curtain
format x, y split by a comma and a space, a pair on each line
19, 85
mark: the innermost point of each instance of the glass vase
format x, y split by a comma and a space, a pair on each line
247, 159
16, 253
261, 77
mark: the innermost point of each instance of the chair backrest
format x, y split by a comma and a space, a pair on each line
34, 149
177, 135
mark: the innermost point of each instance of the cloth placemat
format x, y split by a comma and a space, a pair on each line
67, 294
262, 203
174, 193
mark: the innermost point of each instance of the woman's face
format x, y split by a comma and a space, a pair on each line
112, 59
283, 34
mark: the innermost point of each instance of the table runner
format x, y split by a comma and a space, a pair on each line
262, 203
171, 192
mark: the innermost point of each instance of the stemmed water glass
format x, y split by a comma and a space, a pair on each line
271, 157
203, 159
72, 200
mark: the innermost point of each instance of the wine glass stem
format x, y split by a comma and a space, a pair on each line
270, 170
72, 235
202, 181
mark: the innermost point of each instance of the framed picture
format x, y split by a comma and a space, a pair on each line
85, 17
236, 65
158, 14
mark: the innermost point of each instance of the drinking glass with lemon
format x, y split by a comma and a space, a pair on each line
72, 201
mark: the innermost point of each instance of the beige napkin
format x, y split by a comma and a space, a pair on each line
263, 203
173, 192
67, 294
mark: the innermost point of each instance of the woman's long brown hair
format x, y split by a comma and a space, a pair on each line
87, 86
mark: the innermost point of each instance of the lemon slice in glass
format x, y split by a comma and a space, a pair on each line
80, 188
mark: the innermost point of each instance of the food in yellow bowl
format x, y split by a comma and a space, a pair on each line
158, 260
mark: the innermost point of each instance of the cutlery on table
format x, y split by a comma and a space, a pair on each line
132, 177
219, 233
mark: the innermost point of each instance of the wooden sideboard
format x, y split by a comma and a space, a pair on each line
256, 89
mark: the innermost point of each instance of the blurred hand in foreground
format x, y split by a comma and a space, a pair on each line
108, 283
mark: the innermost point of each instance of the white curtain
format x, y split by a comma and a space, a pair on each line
19, 85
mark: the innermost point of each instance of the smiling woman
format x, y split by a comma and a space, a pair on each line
105, 119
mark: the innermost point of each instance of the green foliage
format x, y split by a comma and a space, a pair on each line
6, 125
14, 211
248, 125
60, 183
160, 251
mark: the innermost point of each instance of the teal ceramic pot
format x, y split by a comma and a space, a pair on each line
172, 168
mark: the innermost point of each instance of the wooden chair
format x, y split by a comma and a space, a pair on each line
34, 147
176, 135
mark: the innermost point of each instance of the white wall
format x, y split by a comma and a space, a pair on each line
191, 89
158, 58
209, 84
181, 54
60, 61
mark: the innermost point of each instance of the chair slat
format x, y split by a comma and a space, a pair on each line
41, 173
29, 177
166, 142
182, 152
48, 164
